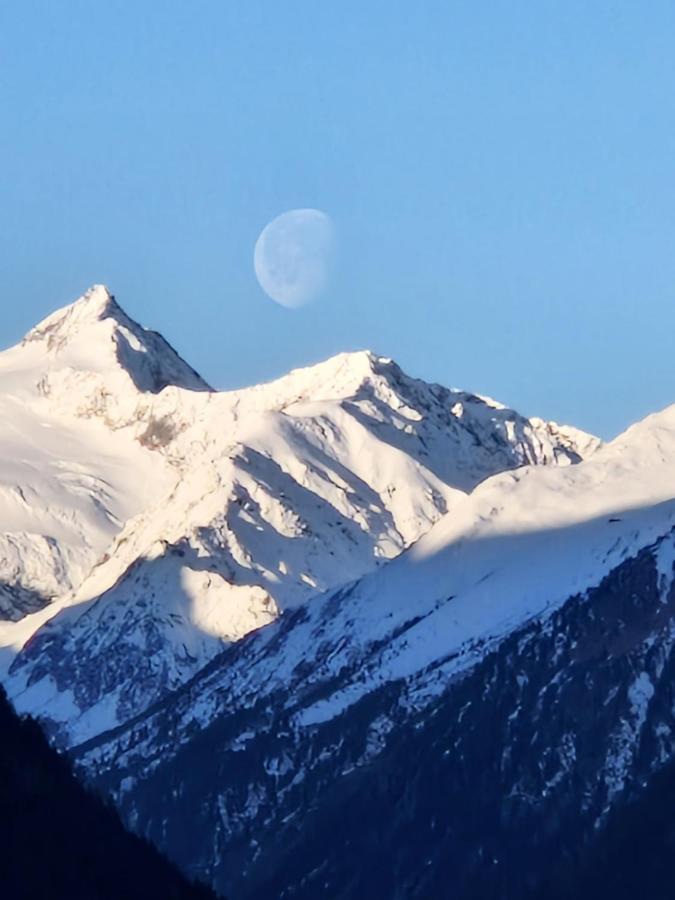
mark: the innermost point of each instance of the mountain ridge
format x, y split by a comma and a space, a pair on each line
597, 676
312, 713
375, 599
269, 496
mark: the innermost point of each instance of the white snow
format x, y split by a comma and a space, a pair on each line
148, 508
508, 553
623, 742
67, 482
514, 549
665, 566
640, 693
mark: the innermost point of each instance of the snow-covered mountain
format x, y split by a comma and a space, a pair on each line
164, 519
68, 480
487, 696
345, 634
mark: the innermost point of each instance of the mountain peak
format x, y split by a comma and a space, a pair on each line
94, 305
95, 334
99, 297
343, 372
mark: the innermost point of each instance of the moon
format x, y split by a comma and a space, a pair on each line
294, 255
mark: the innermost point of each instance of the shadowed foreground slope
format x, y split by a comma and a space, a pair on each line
59, 841
634, 856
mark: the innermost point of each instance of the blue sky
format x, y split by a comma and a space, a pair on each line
501, 176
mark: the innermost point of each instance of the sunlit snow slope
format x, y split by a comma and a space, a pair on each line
529, 636
518, 546
166, 518
68, 481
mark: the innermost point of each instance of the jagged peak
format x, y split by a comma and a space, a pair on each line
350, 364
352, 374
94, 305
337, 377
94, 323
352, 370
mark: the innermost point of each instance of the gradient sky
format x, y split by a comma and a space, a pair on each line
501, 176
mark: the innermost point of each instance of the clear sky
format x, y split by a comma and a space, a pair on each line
501, 176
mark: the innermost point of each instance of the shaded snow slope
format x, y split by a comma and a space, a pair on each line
246, 502
494, 690
509, 553
512, 768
